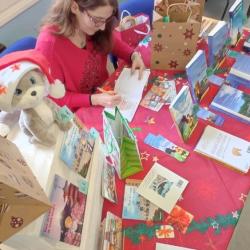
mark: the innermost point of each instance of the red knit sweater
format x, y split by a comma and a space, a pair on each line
81, 70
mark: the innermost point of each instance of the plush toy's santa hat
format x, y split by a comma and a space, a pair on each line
15, 65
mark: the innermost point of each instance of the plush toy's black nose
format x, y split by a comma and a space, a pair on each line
33, 93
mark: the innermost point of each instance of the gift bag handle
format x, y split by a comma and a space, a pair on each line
143, 33
181, 4
126, 19
123, 13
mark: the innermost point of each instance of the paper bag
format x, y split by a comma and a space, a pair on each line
133, 29
121, 145
174, 37
21, 197
197, 6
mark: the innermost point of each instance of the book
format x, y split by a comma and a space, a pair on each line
184, 113
236, 81
136, 207
218, 40
77, 148
240, 239
111, 233
121, 145
130, 89
155, 98
233, 102
207, 25
196, 71
108, 183
162, 187
64, 221
241, 68
209, 116
225, 148
169, 85
236, 21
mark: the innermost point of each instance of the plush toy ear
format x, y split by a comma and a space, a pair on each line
57, 89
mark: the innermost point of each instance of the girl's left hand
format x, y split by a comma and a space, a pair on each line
137, 63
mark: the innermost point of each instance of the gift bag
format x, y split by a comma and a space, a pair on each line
133, 29
175, 35
22, 199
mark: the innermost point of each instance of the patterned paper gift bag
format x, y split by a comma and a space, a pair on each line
132, 29
22, 199
175, 35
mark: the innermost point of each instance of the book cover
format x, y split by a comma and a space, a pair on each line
196, 71
233, 102
210, 116
64, 221
236, 81
111, 235
136, 207
121, 145
169, 85
225, 148
77, 148
207, 25
108, 183
218, 40
236, 21
162, 187
241, 68
155, 98
184, 113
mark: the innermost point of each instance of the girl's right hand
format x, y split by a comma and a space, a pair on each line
106, 100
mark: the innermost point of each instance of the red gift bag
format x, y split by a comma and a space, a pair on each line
133, 29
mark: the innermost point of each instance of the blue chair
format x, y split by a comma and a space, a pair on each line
134, 7
24, 43
138, 6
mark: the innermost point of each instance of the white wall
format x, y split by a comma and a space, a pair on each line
25, 24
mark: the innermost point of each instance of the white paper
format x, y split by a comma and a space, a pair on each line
130, 89
160, 246
162, 187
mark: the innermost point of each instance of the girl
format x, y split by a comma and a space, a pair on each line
76, 37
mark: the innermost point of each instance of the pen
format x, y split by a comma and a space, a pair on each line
110, 92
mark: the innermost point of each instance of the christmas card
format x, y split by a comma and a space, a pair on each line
162, 187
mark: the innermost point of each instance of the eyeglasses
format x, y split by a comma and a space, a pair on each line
98, 21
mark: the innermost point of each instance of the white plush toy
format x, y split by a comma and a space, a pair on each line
25, 83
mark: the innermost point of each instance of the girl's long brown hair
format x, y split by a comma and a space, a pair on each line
60, 15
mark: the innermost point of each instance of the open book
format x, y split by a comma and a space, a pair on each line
225, 148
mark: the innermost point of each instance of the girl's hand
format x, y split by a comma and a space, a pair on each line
106, 100
137, 63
